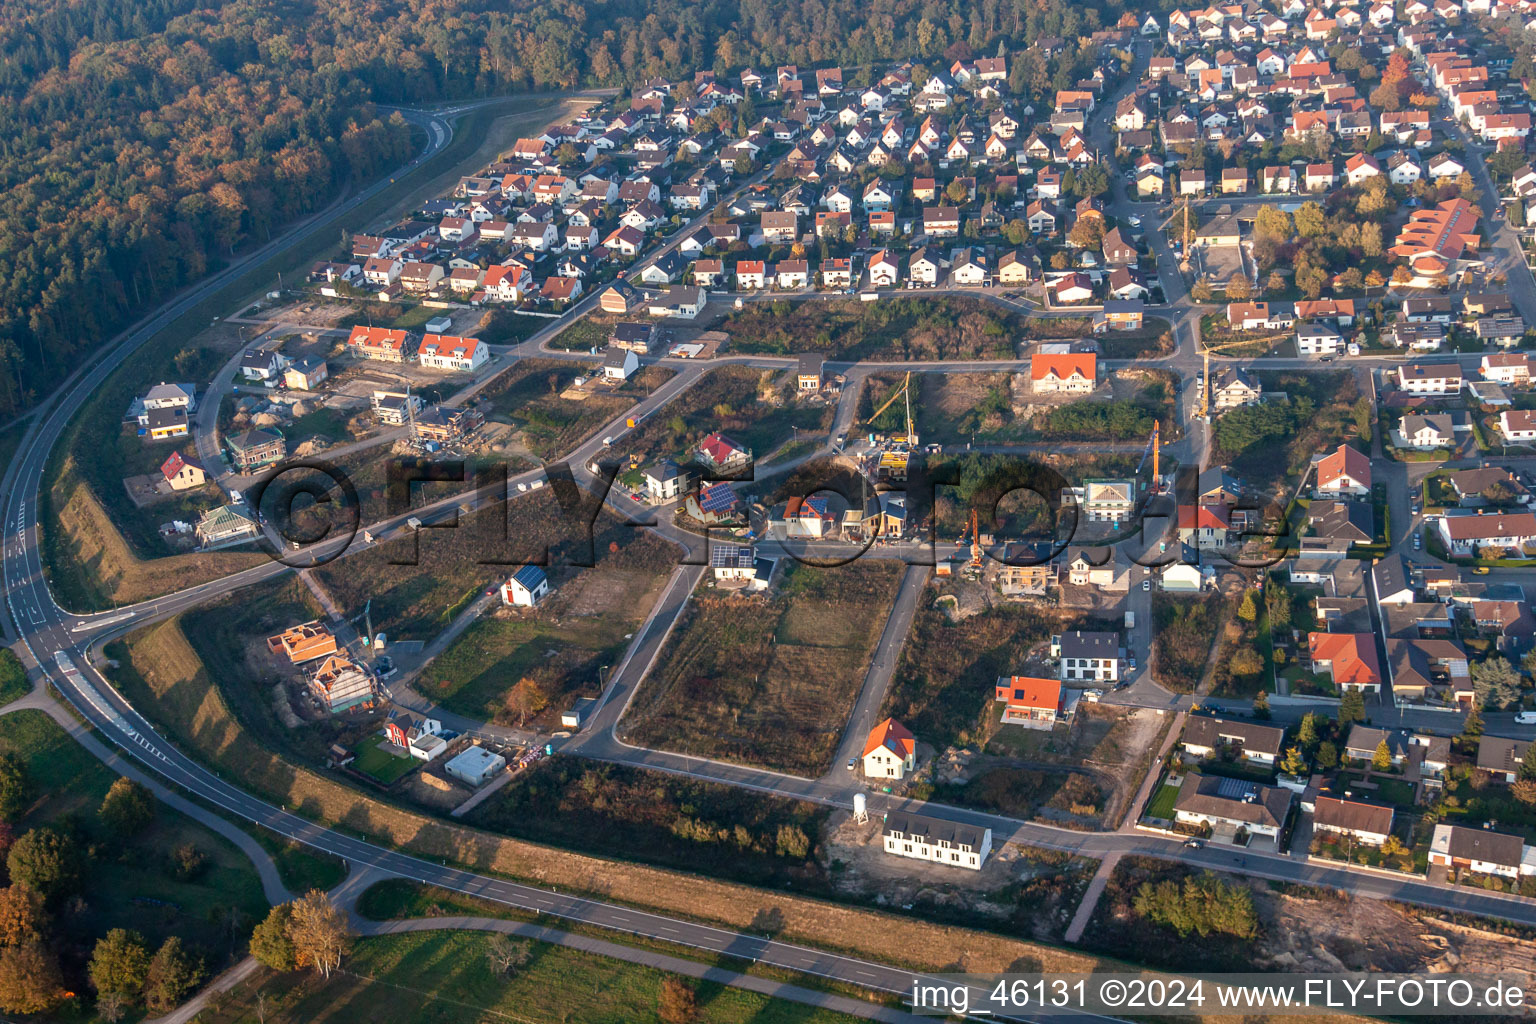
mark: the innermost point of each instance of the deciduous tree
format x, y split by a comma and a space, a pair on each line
320, 933
30, 978
119, 965
47, 861
127, 808
526, 698
173, 974
270, 942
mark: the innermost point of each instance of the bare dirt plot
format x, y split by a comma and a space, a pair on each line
755, 408
1090, 770
535, 398
767, 682
955, 407
1302, 928
1026, 890
453, 565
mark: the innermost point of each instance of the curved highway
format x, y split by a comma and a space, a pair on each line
46, 631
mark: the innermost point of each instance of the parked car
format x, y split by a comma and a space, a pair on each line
1130, 661
1146, 584
1195, 844
851, 762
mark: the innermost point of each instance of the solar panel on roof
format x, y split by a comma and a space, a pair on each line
716, 498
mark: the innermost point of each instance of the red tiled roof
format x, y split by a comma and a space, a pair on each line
893, 736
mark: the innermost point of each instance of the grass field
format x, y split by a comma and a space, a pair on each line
444, 976
130, 881
768, 684
13, 677
302, 867
378, 763
563, 644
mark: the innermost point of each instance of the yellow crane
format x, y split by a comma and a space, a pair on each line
904, 391
893, 459
1205, 388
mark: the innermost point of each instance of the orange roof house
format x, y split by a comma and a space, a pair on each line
304, 642
1441, 234
1064, 371
1344, 471
1349, 658
1029, 701
890, 752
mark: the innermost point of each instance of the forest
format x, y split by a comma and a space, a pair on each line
145, 141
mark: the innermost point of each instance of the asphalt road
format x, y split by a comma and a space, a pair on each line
45, 629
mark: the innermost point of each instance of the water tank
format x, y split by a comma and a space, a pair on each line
859, 801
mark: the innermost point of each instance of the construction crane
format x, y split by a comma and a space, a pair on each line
905, 391
1187, 234
1205, 387
893, 458
1154, 450
975, 540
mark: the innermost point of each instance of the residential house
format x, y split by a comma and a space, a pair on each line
1479, 851
525, 588
921, 837
1029, 701
619, 365
1064, 373
1468, 535
1346, 471
1232, 804
890, 752
1365, 823
304, 642
183, 472
256, 449
449, 352
225, 525
1206, 737
1349, 659
383, 344
1088, 657
665, 481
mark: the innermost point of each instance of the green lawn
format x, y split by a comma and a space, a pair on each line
377, 762
302, 867
331, 423
129, 882
13, 677
1392, 790
413, 318
474, 674
1162, 802
433, 977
